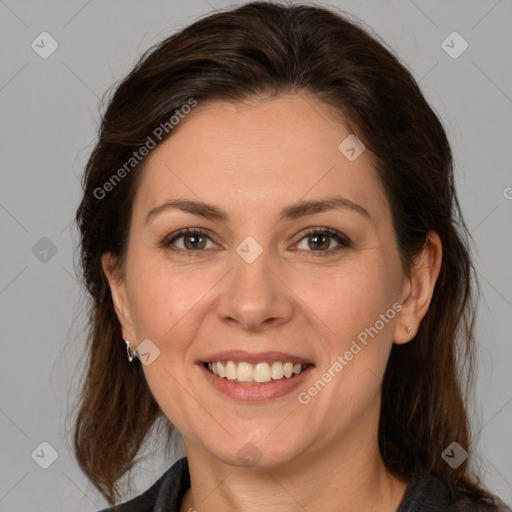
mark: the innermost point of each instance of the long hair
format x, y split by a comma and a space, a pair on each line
259, 50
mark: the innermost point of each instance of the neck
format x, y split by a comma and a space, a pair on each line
349, 476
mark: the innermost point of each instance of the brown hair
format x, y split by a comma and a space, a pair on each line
265, 49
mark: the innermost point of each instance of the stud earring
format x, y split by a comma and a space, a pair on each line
409, 330
132, 354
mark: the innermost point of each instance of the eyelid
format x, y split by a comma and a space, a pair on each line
334, 233
342, 239
168, 240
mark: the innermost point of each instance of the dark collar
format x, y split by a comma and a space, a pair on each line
427, 493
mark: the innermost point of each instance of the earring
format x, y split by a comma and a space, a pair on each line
132, 354
409, 330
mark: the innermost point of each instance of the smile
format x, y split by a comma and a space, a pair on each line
260, 373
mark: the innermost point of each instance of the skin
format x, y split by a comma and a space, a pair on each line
253, 159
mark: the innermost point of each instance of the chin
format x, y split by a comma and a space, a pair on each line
257, 452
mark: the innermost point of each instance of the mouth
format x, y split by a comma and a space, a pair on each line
261, 373
261, 382
254, 376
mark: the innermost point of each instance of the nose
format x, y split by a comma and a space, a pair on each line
253, 295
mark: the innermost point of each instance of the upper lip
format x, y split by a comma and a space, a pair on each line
253, 357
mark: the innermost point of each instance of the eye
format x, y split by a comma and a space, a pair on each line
320, 240
194, 239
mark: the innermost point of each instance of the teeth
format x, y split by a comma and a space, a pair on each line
231, 373
249, 373
277, 370
245, 372
262, 373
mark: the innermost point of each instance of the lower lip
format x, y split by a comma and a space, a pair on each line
255, 392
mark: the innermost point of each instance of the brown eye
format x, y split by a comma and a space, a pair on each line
320, 240
193, 240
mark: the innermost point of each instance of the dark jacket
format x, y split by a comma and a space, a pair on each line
423, 494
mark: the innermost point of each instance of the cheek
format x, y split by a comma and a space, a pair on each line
162, 300
359, 308
353, 299
165, 308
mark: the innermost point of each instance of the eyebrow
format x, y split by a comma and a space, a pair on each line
294, 211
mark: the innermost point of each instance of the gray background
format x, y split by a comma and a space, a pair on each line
48, 120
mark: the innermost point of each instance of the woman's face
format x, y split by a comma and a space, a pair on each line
257, 282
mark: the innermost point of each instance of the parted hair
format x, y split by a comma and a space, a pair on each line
265, 49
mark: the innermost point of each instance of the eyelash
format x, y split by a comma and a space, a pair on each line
336, 235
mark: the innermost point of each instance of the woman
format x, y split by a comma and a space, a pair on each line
279, 270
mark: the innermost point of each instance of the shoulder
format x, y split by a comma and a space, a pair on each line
164, 494
431, 493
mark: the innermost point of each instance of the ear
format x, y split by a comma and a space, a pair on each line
117, 285
417, 290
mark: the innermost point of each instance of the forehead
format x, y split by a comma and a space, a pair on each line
258, 155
